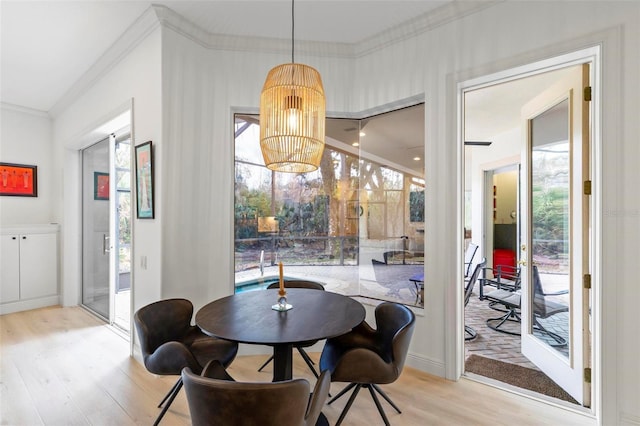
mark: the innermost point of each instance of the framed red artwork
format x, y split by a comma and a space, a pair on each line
18, 180
100, 186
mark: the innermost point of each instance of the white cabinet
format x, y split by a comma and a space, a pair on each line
28, 268
9, 268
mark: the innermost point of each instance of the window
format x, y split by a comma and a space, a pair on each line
329, 224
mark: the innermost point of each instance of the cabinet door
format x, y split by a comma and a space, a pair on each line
9, 268
38, 265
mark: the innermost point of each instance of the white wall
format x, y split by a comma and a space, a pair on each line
25, 138
506, 196
133, 81
506, 35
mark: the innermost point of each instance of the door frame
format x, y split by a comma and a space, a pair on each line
592, 55
488, 173
117, 118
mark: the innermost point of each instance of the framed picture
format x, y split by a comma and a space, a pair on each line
144, 181
18, 180
100, 186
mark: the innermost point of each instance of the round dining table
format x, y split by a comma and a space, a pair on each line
248, 317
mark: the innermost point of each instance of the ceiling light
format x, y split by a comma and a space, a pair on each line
363, 134
292, 116
355, 144
417, 158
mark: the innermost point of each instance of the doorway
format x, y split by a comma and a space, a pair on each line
564, 162
106, 229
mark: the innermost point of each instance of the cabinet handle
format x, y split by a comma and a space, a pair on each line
24, 237
13, 238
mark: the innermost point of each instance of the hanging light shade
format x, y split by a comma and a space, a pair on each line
292, 118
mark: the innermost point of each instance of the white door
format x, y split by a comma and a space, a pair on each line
555, 233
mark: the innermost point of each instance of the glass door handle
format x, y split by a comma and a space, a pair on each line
105, 244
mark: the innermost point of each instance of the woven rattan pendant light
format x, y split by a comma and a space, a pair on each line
292, 116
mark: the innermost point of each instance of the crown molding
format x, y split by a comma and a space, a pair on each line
134, 35
422, 24
177, 23
161, 16
24, 110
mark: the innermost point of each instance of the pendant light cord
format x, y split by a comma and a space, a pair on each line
293, 25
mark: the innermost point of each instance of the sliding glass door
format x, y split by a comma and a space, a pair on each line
96, 236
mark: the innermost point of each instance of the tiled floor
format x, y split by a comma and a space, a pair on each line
493, 344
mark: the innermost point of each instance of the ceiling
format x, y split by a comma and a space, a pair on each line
46, 46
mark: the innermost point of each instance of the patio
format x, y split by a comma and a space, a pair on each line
489, 343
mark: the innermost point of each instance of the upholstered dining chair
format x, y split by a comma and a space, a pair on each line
214, 398
300, 347
368, 357
170, 343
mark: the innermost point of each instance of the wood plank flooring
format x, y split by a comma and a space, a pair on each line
63, 366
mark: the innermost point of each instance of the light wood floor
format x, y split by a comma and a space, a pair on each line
62, 366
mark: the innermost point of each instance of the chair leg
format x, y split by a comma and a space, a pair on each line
266, 363
309, 362
470, 333
561, 340
512, 315
171, 391
342, 392
349, 403
386, 397
373, 389
496, 306
172, 395
378, 405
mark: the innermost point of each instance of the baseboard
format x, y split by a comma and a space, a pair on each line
26, 305
629, 419
427, 365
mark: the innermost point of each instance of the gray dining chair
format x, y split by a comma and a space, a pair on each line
170, 343
214, 398
368, 357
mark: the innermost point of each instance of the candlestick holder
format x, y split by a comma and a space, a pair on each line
282, 304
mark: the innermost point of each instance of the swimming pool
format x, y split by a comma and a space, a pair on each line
259, 283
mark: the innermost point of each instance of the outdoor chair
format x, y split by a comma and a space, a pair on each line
469, 254
502, 277
470, 333
215, 398
170, 343
542, 309
300, 346
367, 357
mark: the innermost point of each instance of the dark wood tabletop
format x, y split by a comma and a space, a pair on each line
247, 317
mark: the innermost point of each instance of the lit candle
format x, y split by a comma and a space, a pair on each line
281, 279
